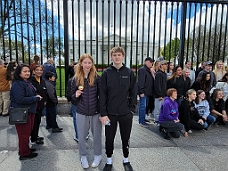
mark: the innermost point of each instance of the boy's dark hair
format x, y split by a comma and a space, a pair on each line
49, 74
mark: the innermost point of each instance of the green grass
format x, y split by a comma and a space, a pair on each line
61, 74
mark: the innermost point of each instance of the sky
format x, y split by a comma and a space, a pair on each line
169, 17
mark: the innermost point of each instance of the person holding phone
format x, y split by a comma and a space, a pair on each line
118, 99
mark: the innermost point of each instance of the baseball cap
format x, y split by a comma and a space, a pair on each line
149, 59
164, 62
208, 63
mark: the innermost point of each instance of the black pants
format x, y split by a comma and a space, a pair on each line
51, 116
150, 106
195, 125
125, 125
172, 127
36, 126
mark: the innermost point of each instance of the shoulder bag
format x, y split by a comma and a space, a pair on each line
18, 115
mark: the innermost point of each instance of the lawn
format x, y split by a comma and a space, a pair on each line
60, 82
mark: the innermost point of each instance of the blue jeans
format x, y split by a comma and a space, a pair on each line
143, 101
73, 111
210, 120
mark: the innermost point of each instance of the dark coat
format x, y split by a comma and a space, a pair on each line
41, 90
52, 99
145, 81
88, 103
178, 84
188, 111
23, 94
160, 84
118, 92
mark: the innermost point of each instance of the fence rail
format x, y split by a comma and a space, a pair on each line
65, 29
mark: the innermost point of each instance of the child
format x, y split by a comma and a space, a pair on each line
52, 101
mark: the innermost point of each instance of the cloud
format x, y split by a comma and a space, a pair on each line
127, 21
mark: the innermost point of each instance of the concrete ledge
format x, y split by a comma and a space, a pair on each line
63, 107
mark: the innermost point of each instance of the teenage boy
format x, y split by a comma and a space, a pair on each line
52, 101
118, 99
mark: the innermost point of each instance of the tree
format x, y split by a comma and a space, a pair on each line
206, 45
53, 47
171, 50
24, 21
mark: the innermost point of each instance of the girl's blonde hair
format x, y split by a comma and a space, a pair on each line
216, 68
79, 73
189, 92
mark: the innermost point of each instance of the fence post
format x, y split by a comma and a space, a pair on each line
66, 39
182, 33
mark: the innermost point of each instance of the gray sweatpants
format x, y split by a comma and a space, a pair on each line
84, 123
157, 108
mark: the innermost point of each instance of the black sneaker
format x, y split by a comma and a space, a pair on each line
166, 135
40, 138
108, 167
48, 127
39, 141
30, 156
127, 166
146, 120
56, 130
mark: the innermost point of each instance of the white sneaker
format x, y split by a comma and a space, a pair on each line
190, 131
96, 161
84, 162
147, 117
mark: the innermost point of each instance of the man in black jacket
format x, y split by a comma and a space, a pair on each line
145, 89
118, 99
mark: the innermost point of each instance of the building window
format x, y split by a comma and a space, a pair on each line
93, 52
71, 51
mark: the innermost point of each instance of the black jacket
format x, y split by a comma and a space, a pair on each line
88, 102
216, 105
41, 90
145, 81
160, 84
118, 93
51, 94
187, 111
178, 84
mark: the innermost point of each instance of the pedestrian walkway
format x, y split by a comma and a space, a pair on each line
203, 150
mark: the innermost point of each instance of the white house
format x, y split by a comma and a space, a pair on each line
99, 59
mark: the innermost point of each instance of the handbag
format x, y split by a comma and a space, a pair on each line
18, 116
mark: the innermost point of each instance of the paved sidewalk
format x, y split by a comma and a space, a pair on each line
203, 150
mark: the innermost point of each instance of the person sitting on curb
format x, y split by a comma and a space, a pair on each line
202, 105
189, 115
168, 117
217, 107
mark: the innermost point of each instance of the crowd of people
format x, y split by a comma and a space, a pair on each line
183, 99
177, 100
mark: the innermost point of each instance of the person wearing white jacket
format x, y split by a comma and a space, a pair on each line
222, 85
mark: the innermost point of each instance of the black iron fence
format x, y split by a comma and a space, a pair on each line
65, 29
